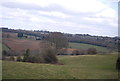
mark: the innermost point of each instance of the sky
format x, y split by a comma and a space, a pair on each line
94, 17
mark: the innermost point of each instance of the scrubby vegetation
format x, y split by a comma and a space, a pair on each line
9, 53
19, 59
46, 55
91, 51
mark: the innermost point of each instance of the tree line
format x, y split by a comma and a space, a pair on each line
109, 42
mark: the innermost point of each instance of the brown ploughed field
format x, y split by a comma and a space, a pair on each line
22, 44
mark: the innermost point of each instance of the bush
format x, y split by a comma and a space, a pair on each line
19, 59
75, 52
46, 55
9, 53
81, 52
35, 59
12, 58
50, 56
26, 55
32, 56
32, 59
91, 51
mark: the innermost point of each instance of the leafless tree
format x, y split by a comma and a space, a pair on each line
48, 52
58, 40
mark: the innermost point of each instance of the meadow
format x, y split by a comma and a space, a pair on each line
86, 46
75, 67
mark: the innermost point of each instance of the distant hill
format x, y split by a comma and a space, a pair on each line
108, 42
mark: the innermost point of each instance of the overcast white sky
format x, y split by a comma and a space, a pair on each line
94, 17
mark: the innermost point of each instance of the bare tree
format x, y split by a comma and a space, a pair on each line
58, 40
48, 52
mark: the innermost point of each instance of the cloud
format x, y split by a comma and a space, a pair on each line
73, 16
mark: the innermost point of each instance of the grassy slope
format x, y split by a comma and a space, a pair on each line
3, 47
86, 46
75, 67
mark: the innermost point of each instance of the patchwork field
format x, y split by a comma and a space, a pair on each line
75, 67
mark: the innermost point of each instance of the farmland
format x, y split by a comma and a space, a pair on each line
86, 46
21, 44
75, 67
99, 66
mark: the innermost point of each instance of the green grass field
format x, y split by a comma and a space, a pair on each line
86, 46
75, 67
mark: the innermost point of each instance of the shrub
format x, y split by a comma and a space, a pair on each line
76, 52
50, 57
81, 51
9, 53
35, 59
91, 51
12, 58
48, 53
32, 59
19, 59
26, 55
